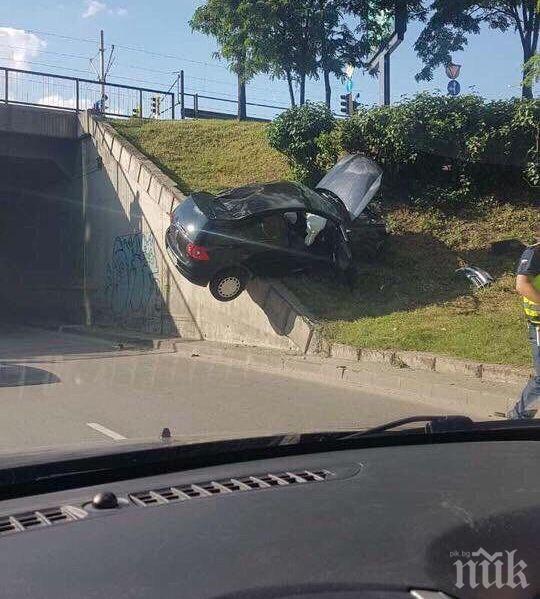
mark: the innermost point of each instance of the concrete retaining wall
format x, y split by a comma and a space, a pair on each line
130, 280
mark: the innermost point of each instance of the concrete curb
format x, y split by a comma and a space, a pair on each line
494, 373
125, 339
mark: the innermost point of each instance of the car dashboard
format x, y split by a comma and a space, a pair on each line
379, 522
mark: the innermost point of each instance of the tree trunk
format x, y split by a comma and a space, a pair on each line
302, 89
527, 92
242, 113
327, 88
291, 88
529, 33
526, 88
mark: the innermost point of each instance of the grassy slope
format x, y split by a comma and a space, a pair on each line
410, 298
207, 155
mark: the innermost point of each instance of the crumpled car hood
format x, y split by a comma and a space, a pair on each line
354, 180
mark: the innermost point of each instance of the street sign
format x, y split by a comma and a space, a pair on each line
454, 87
385, 30
349, 86
452, 70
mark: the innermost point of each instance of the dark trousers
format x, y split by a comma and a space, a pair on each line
529, 401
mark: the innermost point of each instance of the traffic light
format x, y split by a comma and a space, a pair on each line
136, 112
347, 104
155, 106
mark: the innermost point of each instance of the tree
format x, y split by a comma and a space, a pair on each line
337, 46
531, 70
301, 20
375, 20
297, 39
451, 22
228, 21
282, 35
273, 35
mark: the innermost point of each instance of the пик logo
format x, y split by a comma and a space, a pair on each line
485, 570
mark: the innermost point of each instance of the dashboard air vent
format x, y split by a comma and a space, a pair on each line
230, 485
39, 518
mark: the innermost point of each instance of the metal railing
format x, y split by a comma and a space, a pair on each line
34, 88
47, 90
196, 109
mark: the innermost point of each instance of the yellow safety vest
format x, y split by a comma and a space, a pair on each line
532, 309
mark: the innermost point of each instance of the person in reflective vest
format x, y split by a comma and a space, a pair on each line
528, 286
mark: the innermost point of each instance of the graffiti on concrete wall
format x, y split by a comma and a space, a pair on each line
130, 286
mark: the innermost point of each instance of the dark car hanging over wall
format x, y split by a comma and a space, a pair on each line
270, 229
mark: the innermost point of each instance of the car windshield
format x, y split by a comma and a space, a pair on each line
236, 219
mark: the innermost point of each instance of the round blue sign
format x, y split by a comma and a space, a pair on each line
349, 86
454, 87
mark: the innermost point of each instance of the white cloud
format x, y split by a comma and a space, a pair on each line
20, 47
61, 102
93, 7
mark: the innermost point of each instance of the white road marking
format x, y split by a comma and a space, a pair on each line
106, 431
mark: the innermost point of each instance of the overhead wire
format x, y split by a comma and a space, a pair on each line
65, 37
143, 51
44, 64
63, 54
169, 56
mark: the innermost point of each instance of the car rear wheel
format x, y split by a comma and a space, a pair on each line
228, 285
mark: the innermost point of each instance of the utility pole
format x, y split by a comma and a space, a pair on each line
181, 91
102, 68
103, 71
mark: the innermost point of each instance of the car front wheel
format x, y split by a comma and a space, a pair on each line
228, 285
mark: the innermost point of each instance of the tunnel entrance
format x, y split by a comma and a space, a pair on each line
41, 232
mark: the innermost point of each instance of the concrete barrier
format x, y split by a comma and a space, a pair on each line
32, 120
129, 278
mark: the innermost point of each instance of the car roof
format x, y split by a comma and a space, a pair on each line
263, 198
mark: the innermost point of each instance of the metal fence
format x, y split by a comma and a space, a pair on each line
202, 106
33, 88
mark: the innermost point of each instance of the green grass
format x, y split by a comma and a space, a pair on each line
207, 155
409, 298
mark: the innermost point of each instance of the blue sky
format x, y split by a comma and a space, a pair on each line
491, 63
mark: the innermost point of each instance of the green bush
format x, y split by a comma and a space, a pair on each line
443, 150
296, 134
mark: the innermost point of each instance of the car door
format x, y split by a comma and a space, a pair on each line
342, 256
272, 250
328, 243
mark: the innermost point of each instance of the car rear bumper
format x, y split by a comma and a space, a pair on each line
191, 274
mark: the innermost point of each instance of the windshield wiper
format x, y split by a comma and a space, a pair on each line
434, 424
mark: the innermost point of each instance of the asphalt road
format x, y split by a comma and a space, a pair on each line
61, 389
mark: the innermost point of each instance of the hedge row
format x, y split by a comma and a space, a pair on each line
434, 149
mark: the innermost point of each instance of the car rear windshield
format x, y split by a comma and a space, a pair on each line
190, 216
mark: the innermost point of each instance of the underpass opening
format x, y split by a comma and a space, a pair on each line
41, 230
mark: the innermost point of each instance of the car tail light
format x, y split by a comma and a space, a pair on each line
197, 252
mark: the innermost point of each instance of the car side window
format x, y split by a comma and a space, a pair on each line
274, 230
250, 230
